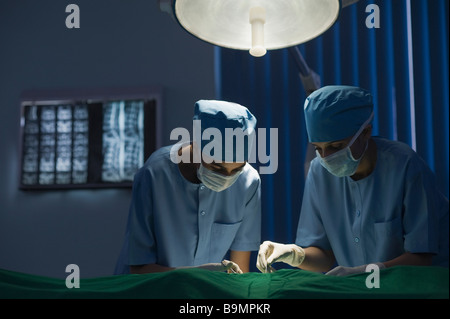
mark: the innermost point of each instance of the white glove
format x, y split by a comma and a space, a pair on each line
270, 252
225, 265
344, 271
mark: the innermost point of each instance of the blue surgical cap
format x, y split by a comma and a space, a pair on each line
222, 115
336, 112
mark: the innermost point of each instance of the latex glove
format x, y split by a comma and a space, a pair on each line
225, 265
344, 271
270, 252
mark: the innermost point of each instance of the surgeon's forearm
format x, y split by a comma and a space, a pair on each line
317, 259
410, 259
149, 268
242, 258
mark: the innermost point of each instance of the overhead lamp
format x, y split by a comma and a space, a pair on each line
255, 25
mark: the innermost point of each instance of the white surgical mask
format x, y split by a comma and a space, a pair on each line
215, 181
342, 163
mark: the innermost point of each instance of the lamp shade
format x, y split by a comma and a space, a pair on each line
256, 25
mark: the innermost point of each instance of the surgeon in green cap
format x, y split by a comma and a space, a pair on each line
367, 200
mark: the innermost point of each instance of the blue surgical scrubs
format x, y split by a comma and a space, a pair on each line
396, 209
173, 222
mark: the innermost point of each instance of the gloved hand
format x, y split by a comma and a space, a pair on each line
344, 271
270, 252
225, 265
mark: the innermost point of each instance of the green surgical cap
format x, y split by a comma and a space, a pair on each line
336, 112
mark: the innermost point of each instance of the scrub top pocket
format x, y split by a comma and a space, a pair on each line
222, 236
389, 238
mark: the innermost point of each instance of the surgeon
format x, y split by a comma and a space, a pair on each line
367, 200
190, 213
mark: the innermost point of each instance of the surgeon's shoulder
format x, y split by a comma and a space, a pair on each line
158, 162
250, 176
160, 154
315, 168
398, 154
394, 149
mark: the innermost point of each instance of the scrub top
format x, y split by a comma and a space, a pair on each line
396, 209
173, 222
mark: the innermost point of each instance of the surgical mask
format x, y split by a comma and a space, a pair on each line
342, 163
215, 181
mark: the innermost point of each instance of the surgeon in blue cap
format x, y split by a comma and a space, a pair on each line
192, 212
367, 200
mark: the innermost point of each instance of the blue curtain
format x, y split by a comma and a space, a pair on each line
404, 63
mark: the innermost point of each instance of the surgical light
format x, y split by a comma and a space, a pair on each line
255, 25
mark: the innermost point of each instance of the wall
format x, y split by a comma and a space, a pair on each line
119, 44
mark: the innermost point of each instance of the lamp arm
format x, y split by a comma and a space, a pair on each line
309, 78
166, 6
311, 82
